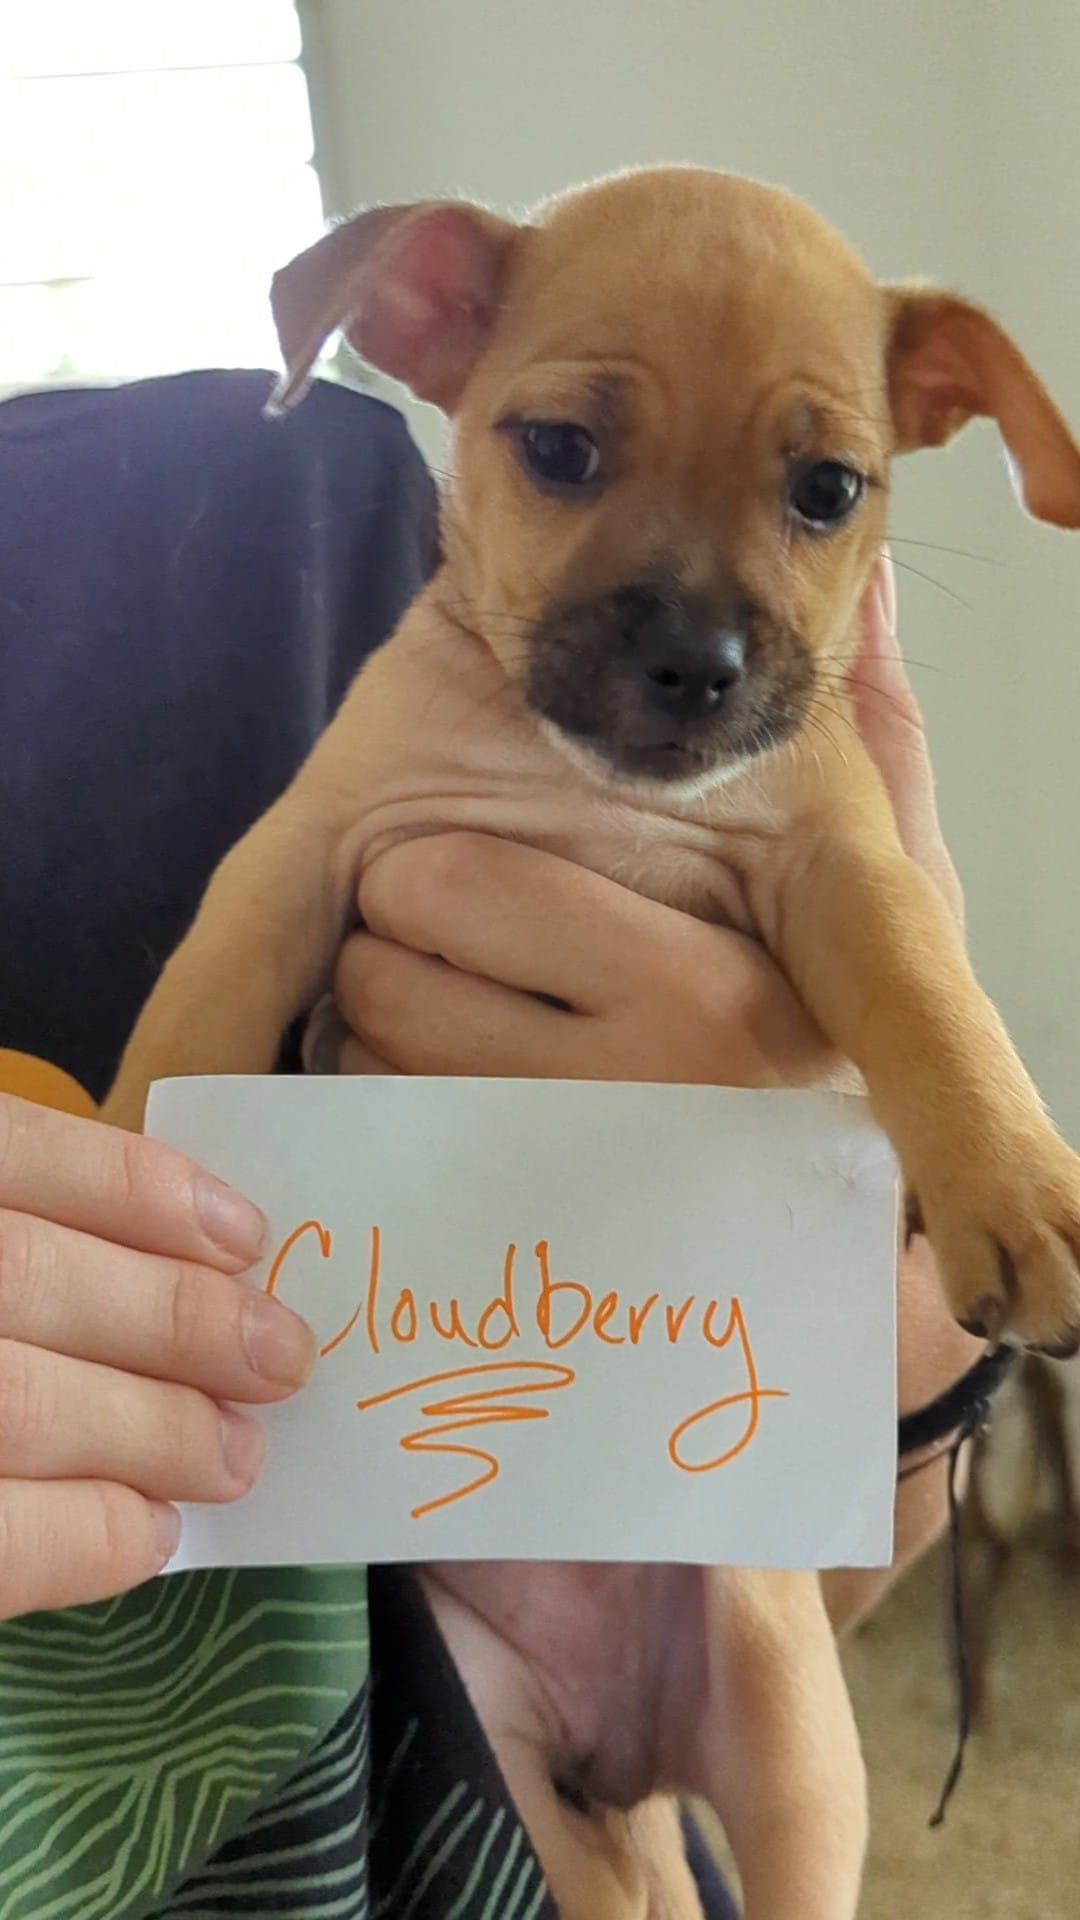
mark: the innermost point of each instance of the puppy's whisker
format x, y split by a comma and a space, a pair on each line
842, 697
906, 567
934, 546
815, 723
845, 679
837, 711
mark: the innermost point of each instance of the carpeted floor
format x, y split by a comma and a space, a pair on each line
1010, 1848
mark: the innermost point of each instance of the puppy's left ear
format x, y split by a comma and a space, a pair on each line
950, 363
416, 290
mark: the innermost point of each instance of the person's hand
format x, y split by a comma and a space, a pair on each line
469, 941
124, 1327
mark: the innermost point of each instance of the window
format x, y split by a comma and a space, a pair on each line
156, 166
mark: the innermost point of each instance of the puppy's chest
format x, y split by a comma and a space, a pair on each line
427, 745
692, 865
649, 856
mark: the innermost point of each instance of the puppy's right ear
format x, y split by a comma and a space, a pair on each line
415, 289
950, 363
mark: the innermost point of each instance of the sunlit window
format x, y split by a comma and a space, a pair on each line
155, 168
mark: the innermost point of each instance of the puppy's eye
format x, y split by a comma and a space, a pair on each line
825, 493
559, 453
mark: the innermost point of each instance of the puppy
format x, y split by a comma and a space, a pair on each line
676, 398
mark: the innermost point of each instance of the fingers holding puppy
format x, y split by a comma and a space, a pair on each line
484, 957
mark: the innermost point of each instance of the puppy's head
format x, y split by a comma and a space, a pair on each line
676, 396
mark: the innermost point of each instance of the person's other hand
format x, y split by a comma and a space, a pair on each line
888, 717
124, 1327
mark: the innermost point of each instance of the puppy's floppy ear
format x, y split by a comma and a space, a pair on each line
950, 363
416, 290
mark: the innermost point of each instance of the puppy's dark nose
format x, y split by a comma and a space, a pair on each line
690, 675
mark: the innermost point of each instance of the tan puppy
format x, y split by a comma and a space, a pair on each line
676, 397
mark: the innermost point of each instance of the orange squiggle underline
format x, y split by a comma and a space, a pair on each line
462, 1412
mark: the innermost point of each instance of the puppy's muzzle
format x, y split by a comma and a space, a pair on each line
663, 686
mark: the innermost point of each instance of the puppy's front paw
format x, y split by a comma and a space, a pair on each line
1003, 1217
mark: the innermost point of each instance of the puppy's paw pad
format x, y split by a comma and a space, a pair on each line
1008, 1244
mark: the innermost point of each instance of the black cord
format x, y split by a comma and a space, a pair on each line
966, 1402
959, 1627
962, 1412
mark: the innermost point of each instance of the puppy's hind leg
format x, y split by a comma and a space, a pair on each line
784, 1770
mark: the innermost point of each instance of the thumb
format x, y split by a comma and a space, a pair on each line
889, 719
886, 710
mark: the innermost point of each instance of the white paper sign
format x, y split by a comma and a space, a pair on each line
564, 1321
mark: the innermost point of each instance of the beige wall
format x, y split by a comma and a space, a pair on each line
943, 136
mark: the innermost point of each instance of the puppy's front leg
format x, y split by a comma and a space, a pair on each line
868, 944
257, 956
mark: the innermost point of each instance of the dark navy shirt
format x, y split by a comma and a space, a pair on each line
186, 590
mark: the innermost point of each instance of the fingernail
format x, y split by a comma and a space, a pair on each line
229, 1220
166, 1524
279, 1345
244, 1444
321, 1046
